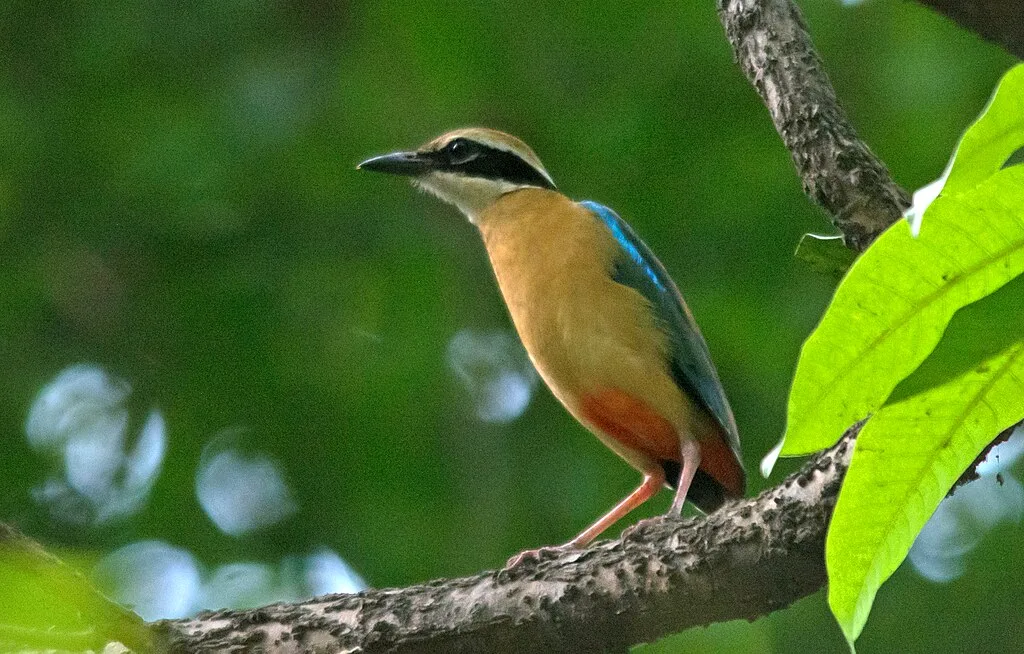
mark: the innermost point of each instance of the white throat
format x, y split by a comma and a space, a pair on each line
472, 195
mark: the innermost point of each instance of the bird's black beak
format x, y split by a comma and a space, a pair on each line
410, 164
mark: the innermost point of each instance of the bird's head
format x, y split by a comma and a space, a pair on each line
470, 168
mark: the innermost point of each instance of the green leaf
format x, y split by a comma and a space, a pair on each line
990, 144
905, 460
893, 306
976, 333
45, 604
992, 140
825, 254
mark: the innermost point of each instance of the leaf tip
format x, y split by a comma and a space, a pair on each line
768, 462
922, 199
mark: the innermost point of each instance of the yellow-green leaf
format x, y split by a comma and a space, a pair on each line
984, 148
905, 460
893, 306
993, 138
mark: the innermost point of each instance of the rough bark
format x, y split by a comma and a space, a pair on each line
770, 42
745, 560
999, 21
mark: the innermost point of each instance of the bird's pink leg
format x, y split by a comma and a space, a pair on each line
650, 486
690, 453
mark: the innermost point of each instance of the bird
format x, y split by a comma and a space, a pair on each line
600, 318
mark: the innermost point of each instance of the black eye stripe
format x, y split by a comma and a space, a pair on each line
474, 159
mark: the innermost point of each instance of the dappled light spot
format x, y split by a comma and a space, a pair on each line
160, 581
241, 492
495, 371
269, 100
326, 572
962, 521
240, 585
155, 579
79, 419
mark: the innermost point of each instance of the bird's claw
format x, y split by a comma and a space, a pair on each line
641, 525
536, 555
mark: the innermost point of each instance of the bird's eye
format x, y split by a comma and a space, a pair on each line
460, 151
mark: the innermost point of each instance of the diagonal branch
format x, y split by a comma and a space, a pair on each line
839, 172
745, 560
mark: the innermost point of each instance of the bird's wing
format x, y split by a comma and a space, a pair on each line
690, 365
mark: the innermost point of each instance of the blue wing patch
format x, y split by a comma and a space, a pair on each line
690, 364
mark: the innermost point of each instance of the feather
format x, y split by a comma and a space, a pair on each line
689, 360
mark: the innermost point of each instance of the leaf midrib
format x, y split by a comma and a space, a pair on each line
929, 300
955, 427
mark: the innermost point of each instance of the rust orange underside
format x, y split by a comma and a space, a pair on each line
635, 425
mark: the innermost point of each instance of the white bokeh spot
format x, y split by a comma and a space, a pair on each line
241, 492
80, 420
496, 372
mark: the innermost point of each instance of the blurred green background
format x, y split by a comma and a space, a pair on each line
238, 370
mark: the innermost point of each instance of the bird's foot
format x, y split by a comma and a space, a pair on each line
638, 529
538, 555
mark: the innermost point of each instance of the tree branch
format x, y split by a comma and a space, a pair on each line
839, 172
745, 560
1000, 21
